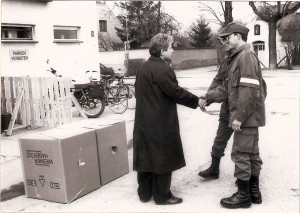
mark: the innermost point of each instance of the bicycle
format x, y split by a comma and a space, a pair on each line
93, 97
131, 90
116, 96
120, 78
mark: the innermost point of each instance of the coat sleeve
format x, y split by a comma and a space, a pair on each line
218, 94
217, 81
167, 82
215, 88
249, 85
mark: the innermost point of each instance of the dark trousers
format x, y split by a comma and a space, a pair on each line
156, 185
223, 135
245, 153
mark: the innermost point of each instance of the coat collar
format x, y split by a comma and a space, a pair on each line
243, 47
154, 58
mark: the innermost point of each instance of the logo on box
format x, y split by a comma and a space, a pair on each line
31, 182
54, 185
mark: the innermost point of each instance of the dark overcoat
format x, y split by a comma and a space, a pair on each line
157, 144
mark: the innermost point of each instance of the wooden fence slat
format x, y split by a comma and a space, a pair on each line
44, 101
38, 102
17, 89
8, 95
32, 107
52, 106
63, 100
27, 101
22, 110
57, 100
3, 98
15, 112
68, 103
41, 98
77, 105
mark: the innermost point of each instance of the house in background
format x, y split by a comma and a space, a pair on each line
61, 32
258, 37
108, 39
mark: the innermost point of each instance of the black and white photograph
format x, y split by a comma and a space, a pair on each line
150, 106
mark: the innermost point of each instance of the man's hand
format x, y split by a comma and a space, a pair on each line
202, 103
236, 125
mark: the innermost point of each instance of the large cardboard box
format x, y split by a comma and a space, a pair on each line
112, 147
60, 165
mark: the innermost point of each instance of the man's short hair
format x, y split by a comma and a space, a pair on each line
159, 42
243, 36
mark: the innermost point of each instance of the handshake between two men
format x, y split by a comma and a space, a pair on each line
202, 103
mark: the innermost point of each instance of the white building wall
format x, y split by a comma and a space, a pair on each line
69, 59
264, 36
105, 13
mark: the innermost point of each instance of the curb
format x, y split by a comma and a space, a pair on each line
13, 191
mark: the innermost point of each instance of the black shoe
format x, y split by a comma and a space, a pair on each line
254, 190
240, 199
145, 200
173, 200
213, 171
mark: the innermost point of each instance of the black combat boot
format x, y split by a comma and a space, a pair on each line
213, 171
240, 199
254, 190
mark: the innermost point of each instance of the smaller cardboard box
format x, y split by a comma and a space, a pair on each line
60, 165
112, 151
111, 145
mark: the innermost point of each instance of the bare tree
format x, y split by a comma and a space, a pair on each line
272, 14
222, 17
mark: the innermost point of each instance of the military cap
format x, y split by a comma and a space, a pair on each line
234, 28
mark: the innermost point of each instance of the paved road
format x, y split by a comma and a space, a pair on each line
279, 147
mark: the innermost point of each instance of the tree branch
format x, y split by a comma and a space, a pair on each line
258, 13
294, 8
222, 7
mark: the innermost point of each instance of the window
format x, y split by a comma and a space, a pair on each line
258, 46
16, 32
257, 29
66, 33
103, 25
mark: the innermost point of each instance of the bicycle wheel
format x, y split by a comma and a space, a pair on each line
117, 99
93, 108
131, 97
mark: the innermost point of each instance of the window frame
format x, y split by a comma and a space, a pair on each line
259, 46
17, 39
67, 40
257, 29
100, 28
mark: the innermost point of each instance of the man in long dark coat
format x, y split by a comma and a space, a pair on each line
157, 148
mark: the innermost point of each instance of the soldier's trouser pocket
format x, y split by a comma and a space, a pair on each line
246, 141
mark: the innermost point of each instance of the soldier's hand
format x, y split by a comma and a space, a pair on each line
202, 103
236, 125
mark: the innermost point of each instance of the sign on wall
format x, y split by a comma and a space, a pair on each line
19, 55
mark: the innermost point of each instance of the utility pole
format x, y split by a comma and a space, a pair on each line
158, 19
126, 43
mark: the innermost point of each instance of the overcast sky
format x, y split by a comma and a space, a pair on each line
186, 12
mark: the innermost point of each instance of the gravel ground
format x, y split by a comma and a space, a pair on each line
279, 148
